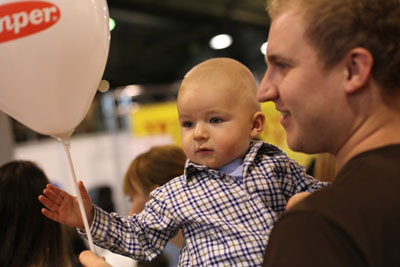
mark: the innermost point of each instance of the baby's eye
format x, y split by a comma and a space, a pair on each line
215, 120
187, 124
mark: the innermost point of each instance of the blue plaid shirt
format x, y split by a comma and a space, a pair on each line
225, 221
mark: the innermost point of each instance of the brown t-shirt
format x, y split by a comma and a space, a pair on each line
353, 222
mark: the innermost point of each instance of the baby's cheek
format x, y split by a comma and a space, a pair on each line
236, 148
186, 149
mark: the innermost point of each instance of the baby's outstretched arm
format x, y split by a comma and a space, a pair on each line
64, 208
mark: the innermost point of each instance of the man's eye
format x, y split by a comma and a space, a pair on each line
281, 66
187, 124
215, 120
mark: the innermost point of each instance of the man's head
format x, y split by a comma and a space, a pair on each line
330, 67
336, 27
218, 111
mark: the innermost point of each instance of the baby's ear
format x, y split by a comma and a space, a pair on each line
257, 124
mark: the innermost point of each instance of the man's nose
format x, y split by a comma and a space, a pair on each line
267, 90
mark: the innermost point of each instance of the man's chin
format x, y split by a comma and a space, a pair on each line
303, 147
295, 145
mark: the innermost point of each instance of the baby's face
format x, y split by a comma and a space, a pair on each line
215, 127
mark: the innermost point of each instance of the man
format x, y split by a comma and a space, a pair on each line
333, 73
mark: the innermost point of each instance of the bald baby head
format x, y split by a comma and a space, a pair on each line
224, 75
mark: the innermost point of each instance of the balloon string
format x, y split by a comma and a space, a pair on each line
66, 144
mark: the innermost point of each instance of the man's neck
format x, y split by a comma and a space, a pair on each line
378, 131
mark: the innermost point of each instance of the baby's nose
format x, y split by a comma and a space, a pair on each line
200, 132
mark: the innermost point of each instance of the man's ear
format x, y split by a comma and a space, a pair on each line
359, 62
258, 124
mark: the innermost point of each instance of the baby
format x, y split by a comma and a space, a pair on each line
231, 193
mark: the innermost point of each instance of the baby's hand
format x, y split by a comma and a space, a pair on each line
64, 208
296, 199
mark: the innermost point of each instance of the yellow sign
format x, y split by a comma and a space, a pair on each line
157, 119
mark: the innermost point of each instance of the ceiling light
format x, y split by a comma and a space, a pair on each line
220, 41
263, 48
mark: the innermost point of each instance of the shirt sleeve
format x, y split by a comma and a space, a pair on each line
297, 180
307, 239
142, 236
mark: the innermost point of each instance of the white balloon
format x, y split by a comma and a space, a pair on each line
52, 58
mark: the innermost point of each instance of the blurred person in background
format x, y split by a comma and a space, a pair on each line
28, 238
147, 172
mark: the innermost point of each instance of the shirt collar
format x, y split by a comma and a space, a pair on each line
234, 168
191, 169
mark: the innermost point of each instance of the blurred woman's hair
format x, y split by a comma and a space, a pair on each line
27, 237
155, 167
